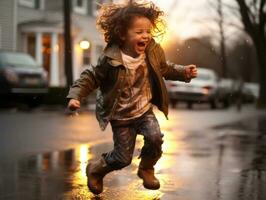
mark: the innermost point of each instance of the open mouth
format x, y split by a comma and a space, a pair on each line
141, 44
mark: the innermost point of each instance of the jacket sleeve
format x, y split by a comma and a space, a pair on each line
90, 79
171, 71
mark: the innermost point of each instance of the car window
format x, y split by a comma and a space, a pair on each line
17, 60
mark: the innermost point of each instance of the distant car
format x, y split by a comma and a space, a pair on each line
203, 89
21, 76
226, 91
251, 91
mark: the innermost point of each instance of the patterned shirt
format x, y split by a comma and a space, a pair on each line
136, 93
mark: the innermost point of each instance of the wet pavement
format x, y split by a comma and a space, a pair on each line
225, 162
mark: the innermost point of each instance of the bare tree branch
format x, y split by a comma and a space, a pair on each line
244, 11
262, 14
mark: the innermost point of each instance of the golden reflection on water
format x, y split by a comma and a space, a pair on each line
151, 194
165, 124
166, 167
82, 156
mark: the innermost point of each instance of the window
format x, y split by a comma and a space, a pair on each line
80, 6
27, 3
37, 4
89, 7
80, 3
31, 44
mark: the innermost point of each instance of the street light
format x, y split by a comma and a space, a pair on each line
84, 44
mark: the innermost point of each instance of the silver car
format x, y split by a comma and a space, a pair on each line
203, 89
22, 77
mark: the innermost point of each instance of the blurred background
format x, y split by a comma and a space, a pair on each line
227, 37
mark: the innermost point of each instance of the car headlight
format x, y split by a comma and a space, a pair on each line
11, 76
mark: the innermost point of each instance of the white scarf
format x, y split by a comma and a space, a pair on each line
133, 63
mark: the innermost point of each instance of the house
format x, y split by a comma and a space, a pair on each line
37, 27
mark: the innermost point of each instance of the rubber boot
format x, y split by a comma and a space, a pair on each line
95, 172
146, 172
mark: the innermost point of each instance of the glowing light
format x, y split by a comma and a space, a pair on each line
84, 44
83, 158
56, 48
80, 177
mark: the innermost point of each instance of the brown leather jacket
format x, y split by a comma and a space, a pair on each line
109, 76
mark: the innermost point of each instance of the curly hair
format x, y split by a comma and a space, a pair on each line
115, 19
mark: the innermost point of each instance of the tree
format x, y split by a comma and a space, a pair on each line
68, 42
253, 17
242, 59
222, 38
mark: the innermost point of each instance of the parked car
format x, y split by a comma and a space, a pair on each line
226, 91
251, 91
203, 89
21, 76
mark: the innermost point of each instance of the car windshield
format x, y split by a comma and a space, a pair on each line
17, 60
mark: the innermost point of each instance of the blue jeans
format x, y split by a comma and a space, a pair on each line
124, 137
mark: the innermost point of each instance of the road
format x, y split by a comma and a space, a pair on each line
207, 155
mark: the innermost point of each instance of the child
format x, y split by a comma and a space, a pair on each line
129, 77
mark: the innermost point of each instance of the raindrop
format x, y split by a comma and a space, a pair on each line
188, 47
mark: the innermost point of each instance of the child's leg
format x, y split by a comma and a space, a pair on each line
149, 127
124, 138
121, 156
151, 151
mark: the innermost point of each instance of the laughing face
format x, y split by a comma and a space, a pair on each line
137, 37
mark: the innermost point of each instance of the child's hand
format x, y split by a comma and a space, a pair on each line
191, 71
73, 104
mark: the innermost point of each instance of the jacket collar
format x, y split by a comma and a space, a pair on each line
112, 51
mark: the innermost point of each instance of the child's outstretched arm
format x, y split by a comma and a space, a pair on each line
171, 71
90, 79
